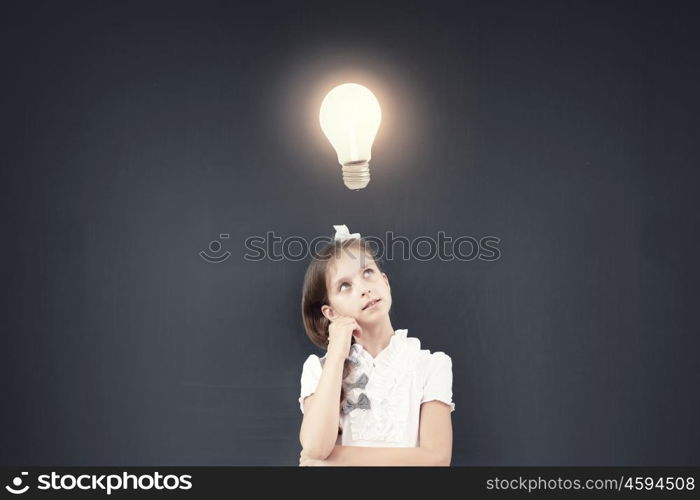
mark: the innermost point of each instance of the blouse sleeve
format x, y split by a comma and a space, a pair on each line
310, 375
438, 380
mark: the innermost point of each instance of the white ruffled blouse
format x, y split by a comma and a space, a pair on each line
384, 394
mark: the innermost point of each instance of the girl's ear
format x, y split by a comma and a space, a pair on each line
386, 280
328, 312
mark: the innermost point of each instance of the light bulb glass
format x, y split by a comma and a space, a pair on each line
350, 117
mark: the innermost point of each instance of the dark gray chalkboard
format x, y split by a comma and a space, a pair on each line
134, 134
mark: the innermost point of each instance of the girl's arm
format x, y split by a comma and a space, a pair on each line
370, 456
319, 427
435, 445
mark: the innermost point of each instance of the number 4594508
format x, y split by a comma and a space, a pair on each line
663, 483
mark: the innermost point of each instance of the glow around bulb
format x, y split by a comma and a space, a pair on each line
350, 117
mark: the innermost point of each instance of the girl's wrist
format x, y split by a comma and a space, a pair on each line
335, 358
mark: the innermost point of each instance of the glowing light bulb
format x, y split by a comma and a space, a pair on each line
350, 117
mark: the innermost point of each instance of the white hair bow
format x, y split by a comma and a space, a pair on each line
343, 233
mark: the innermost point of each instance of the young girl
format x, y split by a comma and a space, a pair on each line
375, 397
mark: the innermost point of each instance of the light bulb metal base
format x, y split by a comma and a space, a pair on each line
356, 175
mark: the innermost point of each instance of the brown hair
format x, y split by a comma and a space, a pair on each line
315, 295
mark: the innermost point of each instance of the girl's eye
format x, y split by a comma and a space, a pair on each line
370, 271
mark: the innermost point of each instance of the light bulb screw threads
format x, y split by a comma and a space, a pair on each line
356, 174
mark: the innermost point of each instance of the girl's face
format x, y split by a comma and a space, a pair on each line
356, 288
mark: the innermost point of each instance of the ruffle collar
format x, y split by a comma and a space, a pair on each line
400, 346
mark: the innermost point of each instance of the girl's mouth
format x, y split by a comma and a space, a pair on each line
371, 305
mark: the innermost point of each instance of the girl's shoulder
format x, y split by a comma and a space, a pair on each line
423, 359
314, 361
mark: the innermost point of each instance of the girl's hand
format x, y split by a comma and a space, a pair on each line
340, 334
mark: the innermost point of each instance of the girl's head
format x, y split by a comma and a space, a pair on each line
344, 280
